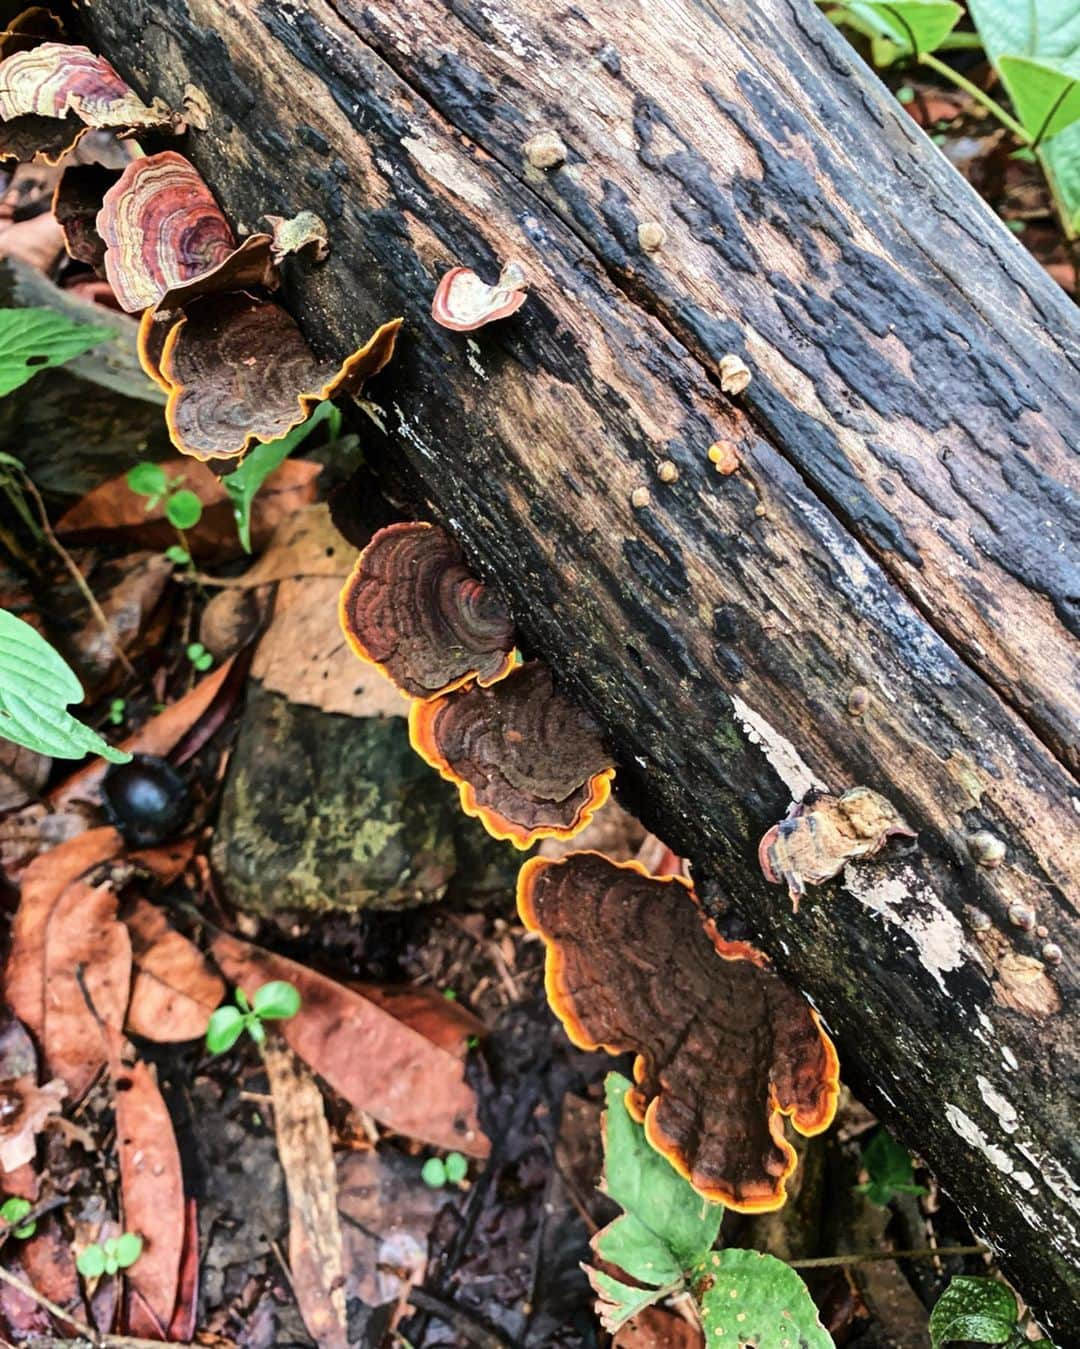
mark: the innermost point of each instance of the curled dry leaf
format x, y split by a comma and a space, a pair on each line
377, 1063
463, 302
174, 990
412, 608
24, 1106
724, 1047
152, 1188
305, 230
240, 371
76, 203
161, 227
87, 980
528, 762
823, 833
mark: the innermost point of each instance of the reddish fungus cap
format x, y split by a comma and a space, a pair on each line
248, 265
413, 608
54, 79
161, 227
528, 762
464, 302
725, 1049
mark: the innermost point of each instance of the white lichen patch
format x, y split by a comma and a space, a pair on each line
970, 1132
904, 902
794, 772
1000, 1104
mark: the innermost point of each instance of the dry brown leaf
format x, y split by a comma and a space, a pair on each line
23, 774
114, 506
657, 1328
306, 544
152, 1187
130, 606
307, 1158
86, 948
174, 990
375, 1061
50, 1267
38, 241
26, 1109
45, 880
441, 1020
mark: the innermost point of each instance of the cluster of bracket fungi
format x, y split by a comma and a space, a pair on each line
724, 1049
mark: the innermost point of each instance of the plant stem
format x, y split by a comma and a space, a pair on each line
973, 91
865, 1257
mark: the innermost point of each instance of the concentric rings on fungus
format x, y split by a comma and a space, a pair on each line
412, 608
463, 302
725, 1049
527, 761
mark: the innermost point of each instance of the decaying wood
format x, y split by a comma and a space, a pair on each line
880, 593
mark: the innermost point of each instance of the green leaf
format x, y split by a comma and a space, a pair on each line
147, 480
174, 553
128, 1249
433, 1173
183, 510
243, 485
276, 1000
889, 1168
1045, 97
224, 1029
255, 1028
457, 1168
34, 339
616, 1302
14, 1209
36, 685
912, 26
91, 1262
628, 1243
649, 1188
978, 1309
748, 1297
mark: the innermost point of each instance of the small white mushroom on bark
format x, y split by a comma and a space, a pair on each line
986, 848
304, 230
464, 302
651, 236
545, 150
734, 374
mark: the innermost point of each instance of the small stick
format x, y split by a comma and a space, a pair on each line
864, 1257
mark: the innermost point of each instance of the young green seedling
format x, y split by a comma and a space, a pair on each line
199, 656
889, 1170
13, 1211
111, 1255
439, 1171
183, 509
275, 1001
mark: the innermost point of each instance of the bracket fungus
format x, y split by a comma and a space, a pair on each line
725, 1049
412, 608
76, 202
527, 761
74, 90
822, 833
240, 371
464, 302
305, 231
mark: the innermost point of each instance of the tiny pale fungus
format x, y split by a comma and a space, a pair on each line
651, 236
412, 608
725, 456
858, 700
639, 498
545, 149
1022, 915
306, 231
977, 919
734, 373
463, 302
1052, 953
527, 761
725, 1049
986, 848
666, 471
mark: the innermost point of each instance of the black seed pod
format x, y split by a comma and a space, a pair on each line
147, 800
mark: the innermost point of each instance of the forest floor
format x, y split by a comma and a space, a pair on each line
281, 829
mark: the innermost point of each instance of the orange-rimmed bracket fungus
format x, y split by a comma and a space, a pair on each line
822, 833
464, 302
725, 1049
76, 203
74, 90
414, 609
238, 371
528, 762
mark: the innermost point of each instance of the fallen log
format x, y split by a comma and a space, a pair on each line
880, 591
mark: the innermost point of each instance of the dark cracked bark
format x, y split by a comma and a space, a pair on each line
900, 521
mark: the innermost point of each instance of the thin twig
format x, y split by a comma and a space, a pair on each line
865, 1257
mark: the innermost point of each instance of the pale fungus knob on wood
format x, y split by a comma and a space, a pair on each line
1052, 953
986, 848
651, 236
666, 471
858, 700
725, 456
1022, 915
639, 497
734, 373
545, 150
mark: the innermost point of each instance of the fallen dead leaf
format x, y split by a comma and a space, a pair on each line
49, 1265
174, 989
44, 881
376, 1062
306, 544
443, 1021
86, 948
152, 1187
114, 507
307, 1158
23, 774
182, 1325
657, 1328
129, 596
38, 241
25, 1105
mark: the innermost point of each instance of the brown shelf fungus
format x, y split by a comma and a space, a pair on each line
464, 302
725, 1049
239, 371
527, 761
412, 608
822, 833
76, 203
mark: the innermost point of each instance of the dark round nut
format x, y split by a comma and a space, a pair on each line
146, 800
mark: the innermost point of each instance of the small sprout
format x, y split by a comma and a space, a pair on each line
905, 94
180, 556
199, 656
1022, 915
13, 1211
889, 1170
725, 456
734, 373
666, 471
1051, 953
150, 481
274, 1001
651, 236
183, 509
986, 849
117, 711
450, 994
639, 498
457, 1168
114, 1254
438, 1172
858, 700
545, 150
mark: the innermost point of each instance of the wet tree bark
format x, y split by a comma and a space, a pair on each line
899, 521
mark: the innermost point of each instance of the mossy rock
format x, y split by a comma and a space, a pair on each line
322, 812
